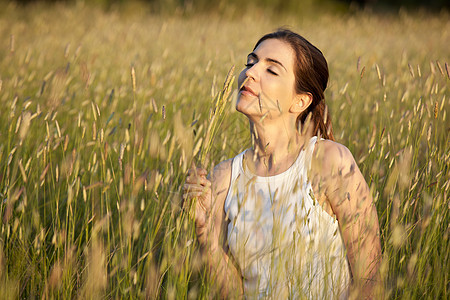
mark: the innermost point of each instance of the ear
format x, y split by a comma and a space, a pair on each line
301, 102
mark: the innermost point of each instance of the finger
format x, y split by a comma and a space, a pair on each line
192, 172
204, 181
202, 172
192, 195
194, 187
197, 193
197, 173
198, 180
192, 169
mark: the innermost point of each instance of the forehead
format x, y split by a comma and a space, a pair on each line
278, 50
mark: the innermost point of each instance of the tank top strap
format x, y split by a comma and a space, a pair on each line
309, 150
303, 162
236, 165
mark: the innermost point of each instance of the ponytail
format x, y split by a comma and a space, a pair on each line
320, 120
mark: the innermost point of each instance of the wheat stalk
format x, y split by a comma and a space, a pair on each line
216, 116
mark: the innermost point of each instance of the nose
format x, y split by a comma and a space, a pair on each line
251, 73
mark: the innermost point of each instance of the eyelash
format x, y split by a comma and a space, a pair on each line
268, 70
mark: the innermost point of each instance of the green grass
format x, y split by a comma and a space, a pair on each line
91, 168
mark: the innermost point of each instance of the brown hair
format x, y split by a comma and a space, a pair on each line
311, 76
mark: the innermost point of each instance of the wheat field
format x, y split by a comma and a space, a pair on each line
103, 112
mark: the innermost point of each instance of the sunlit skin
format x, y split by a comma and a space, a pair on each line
267, 97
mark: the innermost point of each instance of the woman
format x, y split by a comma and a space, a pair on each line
292, 216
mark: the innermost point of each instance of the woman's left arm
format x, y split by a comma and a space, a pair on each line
348, 194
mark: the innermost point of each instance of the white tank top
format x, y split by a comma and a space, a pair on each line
284, 243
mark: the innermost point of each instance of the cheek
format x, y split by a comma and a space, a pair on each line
276, 89
280, 91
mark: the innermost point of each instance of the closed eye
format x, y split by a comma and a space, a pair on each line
249, 65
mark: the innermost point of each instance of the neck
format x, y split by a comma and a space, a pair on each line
275, 148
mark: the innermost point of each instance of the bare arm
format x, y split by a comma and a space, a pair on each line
211, 225
339, 179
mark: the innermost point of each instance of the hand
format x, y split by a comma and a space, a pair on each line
197, 188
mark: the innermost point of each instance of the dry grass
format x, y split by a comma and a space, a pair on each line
101, 112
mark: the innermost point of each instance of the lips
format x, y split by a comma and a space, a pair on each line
247, 90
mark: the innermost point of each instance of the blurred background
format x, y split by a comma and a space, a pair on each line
277, 5
105, 104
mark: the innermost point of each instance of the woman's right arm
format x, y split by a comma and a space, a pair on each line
211, 225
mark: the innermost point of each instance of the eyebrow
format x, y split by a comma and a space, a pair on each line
253, 54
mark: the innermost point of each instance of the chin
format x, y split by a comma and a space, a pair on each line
248, 108
239, 103
242, 105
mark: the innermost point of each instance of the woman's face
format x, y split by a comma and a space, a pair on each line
267, 82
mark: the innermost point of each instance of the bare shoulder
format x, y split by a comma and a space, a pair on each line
330, 158
222, 172
220, 178
338, 172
